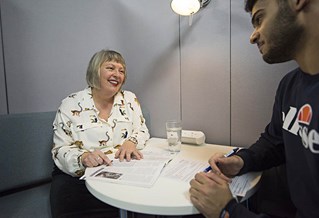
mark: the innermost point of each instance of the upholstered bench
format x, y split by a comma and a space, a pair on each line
26, 164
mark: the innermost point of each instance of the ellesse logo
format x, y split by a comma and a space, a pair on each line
305, 114
297, 123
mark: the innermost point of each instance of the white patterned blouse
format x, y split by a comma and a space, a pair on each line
78, 128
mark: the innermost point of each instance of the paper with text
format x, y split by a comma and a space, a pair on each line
142, 172
185, 170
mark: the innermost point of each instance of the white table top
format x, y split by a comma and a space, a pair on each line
167, 196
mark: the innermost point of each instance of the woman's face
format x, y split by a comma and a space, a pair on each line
112, 75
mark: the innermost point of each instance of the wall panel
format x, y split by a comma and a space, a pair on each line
205, 61
151, 36
3, 99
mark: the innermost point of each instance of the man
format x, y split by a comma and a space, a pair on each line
283, 30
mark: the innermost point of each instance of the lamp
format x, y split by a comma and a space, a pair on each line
188, 7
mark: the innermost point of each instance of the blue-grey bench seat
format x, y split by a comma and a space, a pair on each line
26, 164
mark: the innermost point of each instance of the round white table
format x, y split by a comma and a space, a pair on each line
167, 196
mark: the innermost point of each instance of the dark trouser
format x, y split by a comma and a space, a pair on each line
70, 198
273, 196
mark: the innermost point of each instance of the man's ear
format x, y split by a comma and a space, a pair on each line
300, 4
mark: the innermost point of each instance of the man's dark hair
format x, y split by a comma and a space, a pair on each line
249, 4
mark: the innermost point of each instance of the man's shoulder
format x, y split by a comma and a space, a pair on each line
292, 74
290, 77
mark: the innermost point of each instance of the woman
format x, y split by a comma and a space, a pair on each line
90, 124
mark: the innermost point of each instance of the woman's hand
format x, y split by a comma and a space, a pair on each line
128, 151
95, 158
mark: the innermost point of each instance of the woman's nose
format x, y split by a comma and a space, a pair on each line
117, 72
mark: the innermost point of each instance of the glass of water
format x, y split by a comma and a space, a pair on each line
174, 134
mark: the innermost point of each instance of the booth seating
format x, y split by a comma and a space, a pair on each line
26, 164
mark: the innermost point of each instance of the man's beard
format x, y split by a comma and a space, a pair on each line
284, 37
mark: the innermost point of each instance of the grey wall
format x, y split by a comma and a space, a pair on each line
3, 99
207, 74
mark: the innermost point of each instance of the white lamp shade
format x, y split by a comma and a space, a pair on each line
185, 7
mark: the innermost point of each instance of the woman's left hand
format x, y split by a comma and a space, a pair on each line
128, 151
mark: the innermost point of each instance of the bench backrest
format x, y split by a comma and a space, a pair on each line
25, 149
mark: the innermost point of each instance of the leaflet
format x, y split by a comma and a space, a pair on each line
142, 172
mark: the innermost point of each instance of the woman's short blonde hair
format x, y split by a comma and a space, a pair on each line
93, 70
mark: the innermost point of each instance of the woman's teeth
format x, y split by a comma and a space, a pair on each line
114, 82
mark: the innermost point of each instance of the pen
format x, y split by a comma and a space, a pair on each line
232, 152
229, 154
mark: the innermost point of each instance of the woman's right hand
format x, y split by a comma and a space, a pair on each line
229, 166
95, 158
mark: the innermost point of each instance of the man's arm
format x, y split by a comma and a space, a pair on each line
236, 210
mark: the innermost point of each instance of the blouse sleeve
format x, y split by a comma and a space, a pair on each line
66, 152
140, 133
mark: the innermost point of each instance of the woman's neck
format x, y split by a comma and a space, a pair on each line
103, 103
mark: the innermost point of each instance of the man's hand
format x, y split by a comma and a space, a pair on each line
229, 166
209, 193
